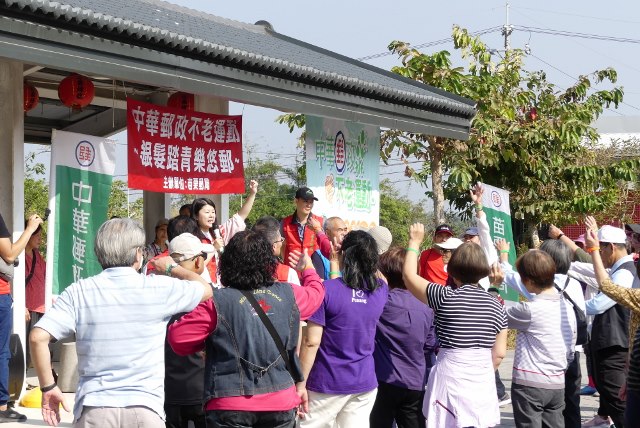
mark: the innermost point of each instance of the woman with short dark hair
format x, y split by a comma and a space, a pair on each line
246, 382
471, 326
337, 352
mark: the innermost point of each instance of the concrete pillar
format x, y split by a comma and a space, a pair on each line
215, 105
12, 174
154, 203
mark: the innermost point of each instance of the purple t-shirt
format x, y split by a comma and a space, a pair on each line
344, 363
405, 341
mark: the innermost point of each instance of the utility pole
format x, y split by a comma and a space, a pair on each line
507, 29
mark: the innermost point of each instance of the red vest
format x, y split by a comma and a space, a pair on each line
292, 239
282, 273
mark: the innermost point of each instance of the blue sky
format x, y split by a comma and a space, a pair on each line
360, 29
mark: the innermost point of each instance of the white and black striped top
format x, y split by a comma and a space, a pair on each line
467, 317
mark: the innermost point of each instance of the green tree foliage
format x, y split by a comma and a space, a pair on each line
118, 205
276, 191
36, 193
528, 136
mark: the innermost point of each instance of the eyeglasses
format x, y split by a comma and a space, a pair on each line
202, 254
278, 240
445, 251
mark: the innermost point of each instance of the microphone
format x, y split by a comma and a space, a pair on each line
216, 232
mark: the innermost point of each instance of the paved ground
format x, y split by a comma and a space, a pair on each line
589, 404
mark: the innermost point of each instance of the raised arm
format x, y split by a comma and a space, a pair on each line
511, 277
414, 283
246, 207
628, 297
308, 297
556, 233
10, 251
483, 226
162, 263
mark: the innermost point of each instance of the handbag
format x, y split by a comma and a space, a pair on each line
294, 370
582, 334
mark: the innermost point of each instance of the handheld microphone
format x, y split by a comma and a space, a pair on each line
216, 232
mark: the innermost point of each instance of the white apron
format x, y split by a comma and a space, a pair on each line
461, 391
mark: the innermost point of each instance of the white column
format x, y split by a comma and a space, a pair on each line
215, 105
12, 174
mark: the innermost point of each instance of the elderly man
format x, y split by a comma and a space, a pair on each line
431, 263
609, 343
119, 319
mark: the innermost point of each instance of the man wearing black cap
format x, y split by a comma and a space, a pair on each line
300, 231
431, 263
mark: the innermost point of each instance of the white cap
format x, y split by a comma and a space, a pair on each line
449, 244
382, 236
612, 235
187, 246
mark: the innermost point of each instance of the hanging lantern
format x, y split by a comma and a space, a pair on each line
30, 95
182, 100
76, 91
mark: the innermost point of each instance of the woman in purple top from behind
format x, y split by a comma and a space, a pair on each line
337, 352
405, 342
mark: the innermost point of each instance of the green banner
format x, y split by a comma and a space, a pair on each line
81, 209
498, 211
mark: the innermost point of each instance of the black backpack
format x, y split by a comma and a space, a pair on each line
582, 335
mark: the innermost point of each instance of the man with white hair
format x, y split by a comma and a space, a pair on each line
119, 318
610, 332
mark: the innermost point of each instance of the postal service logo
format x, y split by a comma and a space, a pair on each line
341, 152
85, 153
496, 199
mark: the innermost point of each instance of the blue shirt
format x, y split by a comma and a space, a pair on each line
119, 318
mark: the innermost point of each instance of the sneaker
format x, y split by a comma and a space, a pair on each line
11, 415
504, 400
597, 422
588, 390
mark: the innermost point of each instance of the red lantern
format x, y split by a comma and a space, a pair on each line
182, 100
76, 91
30, 95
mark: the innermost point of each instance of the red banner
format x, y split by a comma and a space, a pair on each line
181, 151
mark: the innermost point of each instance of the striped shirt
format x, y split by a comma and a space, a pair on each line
119, 318
544, 345
467, 317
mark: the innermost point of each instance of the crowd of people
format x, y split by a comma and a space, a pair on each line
302, 322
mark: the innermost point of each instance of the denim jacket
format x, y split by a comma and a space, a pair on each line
242, 358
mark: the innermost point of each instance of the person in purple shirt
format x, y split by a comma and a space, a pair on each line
337, 352
405, 344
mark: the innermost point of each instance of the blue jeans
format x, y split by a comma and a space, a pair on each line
241, 419
6, 325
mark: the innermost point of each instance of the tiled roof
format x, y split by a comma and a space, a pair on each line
199, 35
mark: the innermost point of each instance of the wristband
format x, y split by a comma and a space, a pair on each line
592, 249
48, 388
414, 251
170, 268
504, 251
335, 273
479, 207
560, 236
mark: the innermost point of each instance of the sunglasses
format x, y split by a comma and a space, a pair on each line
202, 254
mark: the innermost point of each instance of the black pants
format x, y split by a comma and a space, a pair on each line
572, 381
399, 404
500, 389
240, 419
179, 416
608, 373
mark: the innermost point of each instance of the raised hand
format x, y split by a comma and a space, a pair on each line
496, 275
300, 261
253, 187
314, 224
591, 238
554, 231
502, 245
476, 193
416, 234
590, 223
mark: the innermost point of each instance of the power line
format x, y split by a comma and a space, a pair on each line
555, 12
565, 33
430, 44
